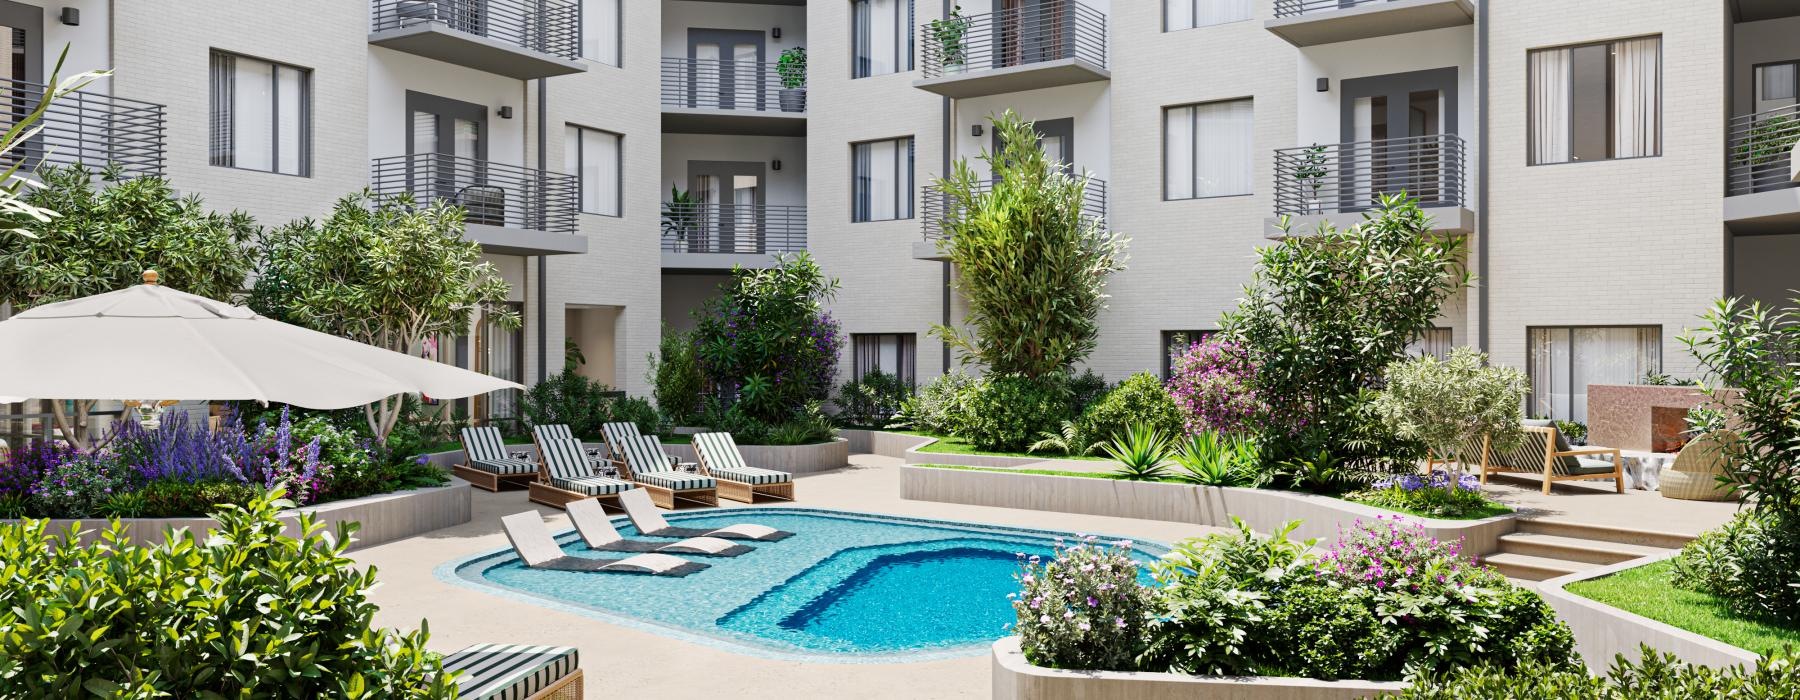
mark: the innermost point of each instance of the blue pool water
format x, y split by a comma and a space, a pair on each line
846, 586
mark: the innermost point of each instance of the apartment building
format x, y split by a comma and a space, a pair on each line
1613, 166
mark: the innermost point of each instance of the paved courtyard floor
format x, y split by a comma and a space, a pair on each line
1598, 503
628, 663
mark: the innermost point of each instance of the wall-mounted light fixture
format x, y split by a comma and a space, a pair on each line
506, 112
975, 131
71, 16
776, 164
776, 32
1324, 85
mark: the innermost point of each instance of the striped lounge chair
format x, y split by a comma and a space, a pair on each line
486, 465
598, 531
655, 472
1545, 452
537, 549
618, 435
539, 433
516, 672
650, 523
721, 460
565, 475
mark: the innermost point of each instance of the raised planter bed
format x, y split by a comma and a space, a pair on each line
384, 517
793, 459
1603, 631
1016, 679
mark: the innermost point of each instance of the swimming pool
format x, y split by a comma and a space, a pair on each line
846, 587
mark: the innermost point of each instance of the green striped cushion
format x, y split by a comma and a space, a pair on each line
675, 481
483, 443
504, 466
750, 475
509, 671
592, 485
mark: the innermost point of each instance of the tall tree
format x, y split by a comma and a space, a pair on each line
381, 271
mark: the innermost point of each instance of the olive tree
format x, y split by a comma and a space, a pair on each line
381, 271
1031, 263
1447, 404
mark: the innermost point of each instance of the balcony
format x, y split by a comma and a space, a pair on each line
721, 236
511, 210
1336, 183
1313, 22
712, 96
936, 210
88, 128
523, 39
1760, 189
1025, 48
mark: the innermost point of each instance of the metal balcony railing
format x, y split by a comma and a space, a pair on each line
86, 127
545, 26
1028, 34
1350, 177
703, 83
1758, 150
733, 228
936, 210
1294, 8
493, 194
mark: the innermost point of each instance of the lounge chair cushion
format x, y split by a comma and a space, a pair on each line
509, 671
751, 475
592, 485
1588, 465
675, 481
1569, 462
505, 466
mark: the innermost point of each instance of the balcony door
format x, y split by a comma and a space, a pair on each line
731, 195
1055, 137
1396, 126
725, 69
22, 49
455, 133
1032, 31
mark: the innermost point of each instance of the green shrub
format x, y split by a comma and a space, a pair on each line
246, 612
1085, 389
1452, 403
937, 407
175, 498
1084, 608
1215, 591
1329, 632
872, 400
676, 377
766, 342
1752, 563
1656, 676
1006, 412
567, 399
76, 488
1437, 495
1140, 399
636, 409
808, 426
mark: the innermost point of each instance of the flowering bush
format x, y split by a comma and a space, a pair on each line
1214, 384
1084, 608
76, 487
1396, 554
1441, 494
767, 343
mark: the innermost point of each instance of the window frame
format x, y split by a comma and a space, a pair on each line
910, 51
1611, 108
1194, 4
214, 95
857, 372
1163, 148
908, 170
1531, 394
618, 35
618, 167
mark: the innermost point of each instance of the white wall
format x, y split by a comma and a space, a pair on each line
786, 186
89, 44
392, 74
682, 294
680, 15
1090, 104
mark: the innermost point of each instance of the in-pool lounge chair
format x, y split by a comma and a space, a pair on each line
721, 460
596, 456
1545, 451
486, 464
650, 523
653, 471
598, 531
567, 476
531, 540
516, 672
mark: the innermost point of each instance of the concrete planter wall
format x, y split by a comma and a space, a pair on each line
794, 459
1619, 414
906, 447
384, 518
1016, 679
1321, 517
1603, 632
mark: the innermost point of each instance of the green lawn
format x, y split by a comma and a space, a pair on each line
1646, 590
951, 445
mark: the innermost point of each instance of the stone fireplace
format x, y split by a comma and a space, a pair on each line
1668, 428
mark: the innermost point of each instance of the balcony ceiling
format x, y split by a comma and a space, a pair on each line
1758, 10
795, 3
982, 82
683, 120
436, 40
1372, 20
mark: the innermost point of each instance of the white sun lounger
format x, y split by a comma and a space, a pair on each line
650, 523
531, 540
598, 531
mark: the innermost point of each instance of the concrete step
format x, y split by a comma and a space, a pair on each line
1574, 549
1530, 568
1605, 533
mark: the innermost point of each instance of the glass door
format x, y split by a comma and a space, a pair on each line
22, 51
1393, 127
731, 196
500, 353
726, 69
455, 132
1055, 137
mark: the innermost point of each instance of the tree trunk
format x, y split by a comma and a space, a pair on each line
74, 428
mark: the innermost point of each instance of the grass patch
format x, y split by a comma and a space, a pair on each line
1039, 472
1487, 510
1646, 590
952, 445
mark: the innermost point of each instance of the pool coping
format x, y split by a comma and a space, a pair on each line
447, 573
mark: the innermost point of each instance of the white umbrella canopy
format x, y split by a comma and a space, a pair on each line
152, 342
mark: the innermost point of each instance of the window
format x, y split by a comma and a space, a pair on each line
1564, 361
600, 31
1174, 343
1188, 14
883, 172
1207, 150
1434, 342
887, 352
261, 115
1596, 101
593, 156
881, 37
1777, 86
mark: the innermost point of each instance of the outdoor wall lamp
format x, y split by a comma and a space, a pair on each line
776, 32
71, 16
506, 112
975, 131
776, 165
1324, 85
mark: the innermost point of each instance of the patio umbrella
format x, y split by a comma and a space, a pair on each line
152, 342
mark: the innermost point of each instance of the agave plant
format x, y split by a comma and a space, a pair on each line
1141, 451
1211, 458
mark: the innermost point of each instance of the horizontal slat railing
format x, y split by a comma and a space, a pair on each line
1758, 150
1295, 8
91, 128
545, 26
936, 209
1034, 33
733, 228
493, 194
698, 83
1350, 177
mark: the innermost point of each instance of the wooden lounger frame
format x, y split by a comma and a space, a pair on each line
737, 490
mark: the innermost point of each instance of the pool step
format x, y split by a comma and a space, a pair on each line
1574, 549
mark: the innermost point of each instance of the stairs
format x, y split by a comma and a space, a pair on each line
1546, 549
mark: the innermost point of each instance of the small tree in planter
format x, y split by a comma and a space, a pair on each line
1452, 403
792, 69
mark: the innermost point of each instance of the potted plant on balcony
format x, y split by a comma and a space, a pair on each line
1311, 175
680, 215
792, 69
948, 33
